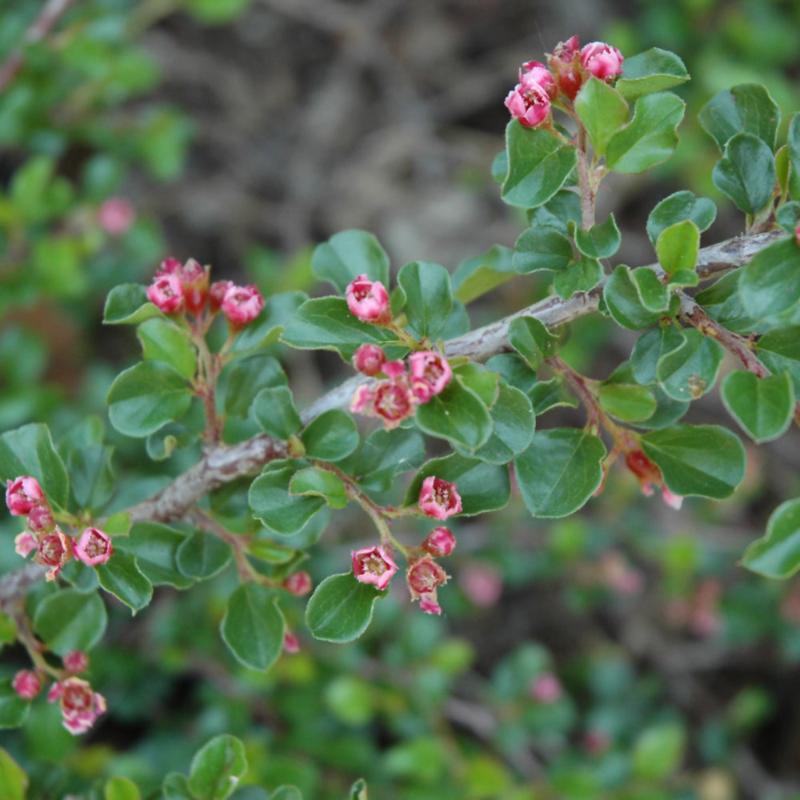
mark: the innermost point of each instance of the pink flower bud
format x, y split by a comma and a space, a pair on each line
368, 300
566, 51
23, 494
216, 294
602, 60
26, 684
291, 644
363, 401
374, 565
166, 294
24, 544
649, 476
482, 584
40, 519
393, 402
298, 583
94, 547
242, 304
368, 359
116, 215
54, 550
564, 63
440, 542
529, 103
194, 283
535, 73
76, 661
425, 576
394, 369
80, 706
546, 688
438, 498
430, 374
428, 604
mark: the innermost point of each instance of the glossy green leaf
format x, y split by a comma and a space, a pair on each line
484, 382
458, 415
793, 148
122, 577
600, 241
777, 553
202, 556
602, 110
678, 207
271, 502
579, 276
119, 788
127, 304
147, 396
253, 626
155, 548
217, 768
532, 340
560, 471
650, 137
747, 108
699, 460
476, 276
69, 620
651, 71
625, 297
246, 377
763, 407
746, 172
318, 482
628, 402
722, 301
649, 348
514, 424
770, 283
563, 208
383, 455
13, 713
677, 246
175, 786
538, 165
541, 247
332, 436
429, 297
275, 412
788, 216
265, 330
349, 254
779, 349
340, 609
690, 370
163, 340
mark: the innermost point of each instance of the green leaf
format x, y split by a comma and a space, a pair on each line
777, 553
340, 609
722, 301
217, 768
746, 173
475, 277
514, 424
69, 620
119, 788
383, 455
29, 450
538, 165
651, 71
547, 395
122, 577
265, 330
348, 254
560, 471
600, 241
286, 793
532, 340
332, 436
13, 713
271, 502
627, 401
678, 207
12, 777
763, 407
481, 380
650, 347
145, 397
245, 378
770, 283
747, 108
176, 787
358, 791
202, 556
155, 548
541, 247
483, 487
651, 135
320, 483
677, 247
793, 147
275, 412
163, 340
253, 626
458, 415
558, 212
690, 370
788, 216
127, 304
602, 110
629, 297
579, 276
780, 350
699, 460
429, 297
653, 295
658, 751
326, 323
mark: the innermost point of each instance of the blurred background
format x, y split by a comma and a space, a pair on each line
619, 654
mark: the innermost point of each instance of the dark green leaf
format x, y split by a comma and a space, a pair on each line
202, 556
475, 277
747, 108
780, 350
777, 553
383, 455
602, 110
429, 297
163, 340
318, 482
458, 415
650, 347
349, 254
678, 207
770, 283
763, 407
275, 412
340, 609
627, 401
13, 713
155, 547
532, 340
746, 172
514, 424
625, 299
332, 436
253, 626
690, 370
651, 71
579, 276
122, 577
600, 241
217, 768
541, 247
246, 377
69, 620
272, 503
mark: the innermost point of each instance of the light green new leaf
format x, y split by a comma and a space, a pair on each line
163, 340
217, 768
651, 71
677, 247
127, 304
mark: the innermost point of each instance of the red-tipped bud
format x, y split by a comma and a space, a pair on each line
369, 359
440, 542
298, 583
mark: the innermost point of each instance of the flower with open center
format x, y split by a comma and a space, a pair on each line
368, 300
23, 494
439, 498
374, 565
94, 547
80, 706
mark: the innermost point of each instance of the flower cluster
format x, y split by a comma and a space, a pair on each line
185, 288
650, 478
568, 67
52, 547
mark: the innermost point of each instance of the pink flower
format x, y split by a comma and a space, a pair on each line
54, 550
564, 64
536, 73
80, 706
424, 576
394, 369
546, 688
374, 565
116, 215
26, 684
393, 402
166, 294
298, 583
430, 374
368, 359
291, 644
566, 51
216, 294
363, 400
76, 661
529, 103
94, 547
368, 300
438, 498
482, 584
194, 282
429, 604
23, 494
242, 304
602, 60
24, 544
440, 542
40, 519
